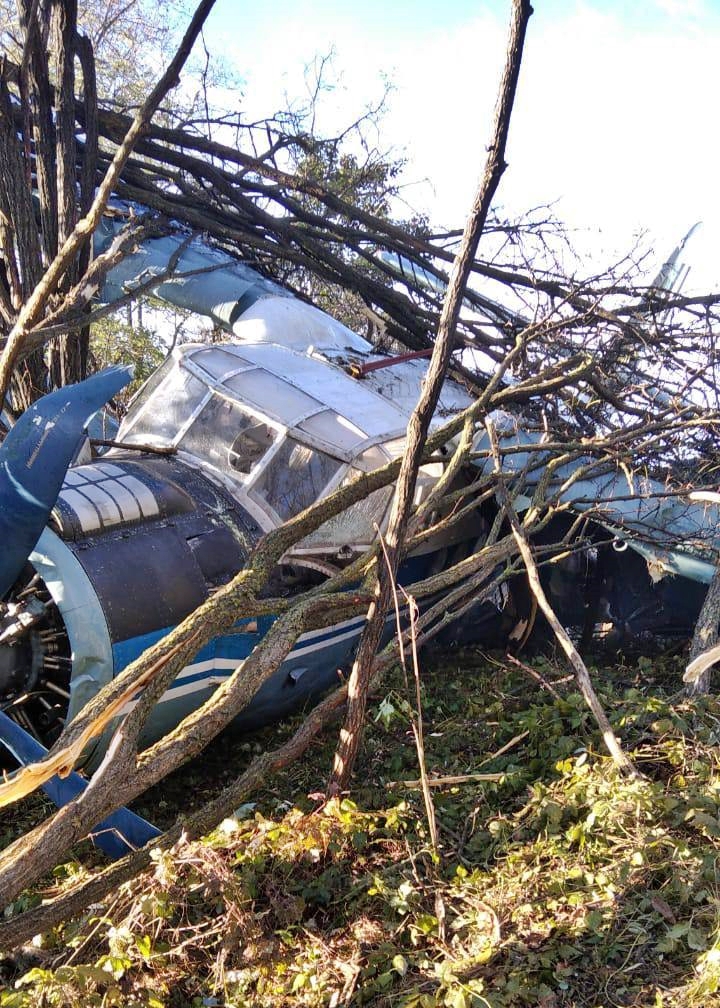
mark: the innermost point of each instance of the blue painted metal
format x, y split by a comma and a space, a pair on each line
34, 458
118, 835
87, 629
655, 525
204, 280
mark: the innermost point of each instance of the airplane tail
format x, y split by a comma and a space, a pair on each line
673, 273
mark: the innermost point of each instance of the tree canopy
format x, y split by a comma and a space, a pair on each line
316, 213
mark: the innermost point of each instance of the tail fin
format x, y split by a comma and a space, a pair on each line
672, 274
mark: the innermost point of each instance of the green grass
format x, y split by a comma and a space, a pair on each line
558, 883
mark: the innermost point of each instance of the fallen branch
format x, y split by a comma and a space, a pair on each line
704, 649
578, 665
39, 920
447, 781
544, 684
31, 777
419, 423
696, 669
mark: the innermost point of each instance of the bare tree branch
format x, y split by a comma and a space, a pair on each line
419, 424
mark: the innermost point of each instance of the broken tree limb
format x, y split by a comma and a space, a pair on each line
123, 772
351, 733
21, 927
61, 762
704, 649
698, 670
578, 665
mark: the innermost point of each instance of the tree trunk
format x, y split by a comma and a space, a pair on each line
705, 637
351, 733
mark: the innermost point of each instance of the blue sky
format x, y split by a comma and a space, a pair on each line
615, 117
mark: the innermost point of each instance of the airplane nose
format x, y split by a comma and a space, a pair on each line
15, 659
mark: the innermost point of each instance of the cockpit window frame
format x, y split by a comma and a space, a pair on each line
245, 484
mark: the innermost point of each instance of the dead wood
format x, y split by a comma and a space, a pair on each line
577, 664
351, 733
704, 651
21, 927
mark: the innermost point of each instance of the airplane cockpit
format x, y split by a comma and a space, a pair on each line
279, 430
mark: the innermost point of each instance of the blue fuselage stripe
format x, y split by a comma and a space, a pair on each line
218, 659
232, 648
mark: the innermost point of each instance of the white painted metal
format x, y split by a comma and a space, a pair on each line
290, 372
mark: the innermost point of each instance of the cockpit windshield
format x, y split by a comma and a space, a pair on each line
281, 447
294, 478
163, 405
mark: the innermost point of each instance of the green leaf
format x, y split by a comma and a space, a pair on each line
386, 712
457, 998
696, 939
144, 945
400, 964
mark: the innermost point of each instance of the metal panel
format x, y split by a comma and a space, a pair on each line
140, 588
103, 501
83, 510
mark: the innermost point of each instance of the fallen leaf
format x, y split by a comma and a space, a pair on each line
658, 904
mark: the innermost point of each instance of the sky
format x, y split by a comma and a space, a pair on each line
614, 121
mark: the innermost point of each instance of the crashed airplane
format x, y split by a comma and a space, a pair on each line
224, 443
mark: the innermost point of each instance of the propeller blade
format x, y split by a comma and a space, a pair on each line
121, 833
35, 456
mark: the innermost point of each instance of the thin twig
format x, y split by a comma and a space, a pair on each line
417, 729
447, 781
506, 748
544, 684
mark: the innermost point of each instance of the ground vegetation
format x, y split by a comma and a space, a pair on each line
556, 880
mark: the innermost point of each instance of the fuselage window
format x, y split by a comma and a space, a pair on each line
163, 407
227, 437
250, 445
295, 478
